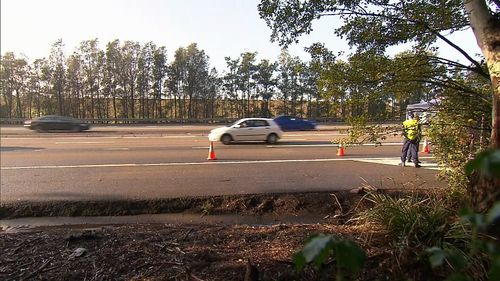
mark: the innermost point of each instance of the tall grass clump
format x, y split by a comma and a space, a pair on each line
416, 222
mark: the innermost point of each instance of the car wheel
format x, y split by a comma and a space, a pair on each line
226, 139
40, 129
272, 139
76, 128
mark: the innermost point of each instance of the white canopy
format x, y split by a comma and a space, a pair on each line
423, 106
423, 109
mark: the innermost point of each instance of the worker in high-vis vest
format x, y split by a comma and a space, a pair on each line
411, 133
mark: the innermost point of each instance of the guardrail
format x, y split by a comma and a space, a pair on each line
139, 121
11, 121
129, 121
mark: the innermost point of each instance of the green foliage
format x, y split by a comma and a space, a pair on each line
482, 249
370, 77
207, 207
488, 162
412, 221
349, 257
427, 225
361, 132
460, 128
368, 24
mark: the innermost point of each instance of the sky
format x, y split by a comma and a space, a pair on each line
221, 28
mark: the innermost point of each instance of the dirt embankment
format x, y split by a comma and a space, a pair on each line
193, 251
293, 204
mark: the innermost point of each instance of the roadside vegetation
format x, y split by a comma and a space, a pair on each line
443, 234
423, 230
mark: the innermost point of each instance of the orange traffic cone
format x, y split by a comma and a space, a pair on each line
426, 146
340, 151
211, 152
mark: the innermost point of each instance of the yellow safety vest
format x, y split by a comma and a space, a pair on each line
410, 128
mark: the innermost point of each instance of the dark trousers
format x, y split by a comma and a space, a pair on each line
408, 156
410, 148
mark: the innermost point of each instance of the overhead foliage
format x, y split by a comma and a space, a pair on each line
372, 26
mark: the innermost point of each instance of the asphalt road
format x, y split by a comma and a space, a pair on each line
148, 162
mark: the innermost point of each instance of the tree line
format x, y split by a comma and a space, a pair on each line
133, 80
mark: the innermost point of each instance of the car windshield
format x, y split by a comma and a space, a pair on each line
235, 123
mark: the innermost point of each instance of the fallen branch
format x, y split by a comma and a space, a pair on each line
160, 264
38, 270
187, 234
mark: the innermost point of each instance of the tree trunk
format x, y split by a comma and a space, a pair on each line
19, 107
485, 191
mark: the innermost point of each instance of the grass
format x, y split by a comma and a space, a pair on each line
416, 222
410, 220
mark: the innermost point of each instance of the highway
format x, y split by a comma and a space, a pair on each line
151, 162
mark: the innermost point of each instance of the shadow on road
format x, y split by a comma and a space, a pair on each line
17, 148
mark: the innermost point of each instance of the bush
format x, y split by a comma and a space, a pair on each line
412, 221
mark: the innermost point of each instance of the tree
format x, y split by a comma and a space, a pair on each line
196, 75
35, 88
75, 85
128, 76
486, 27
309, 87
187, 76
145, 77
210, 93
266, 83
229, 85
159, 75
289, 85
175, 82
246, 72
111, 76
91, 70
13, 73
57, 74
328, 73
375, 25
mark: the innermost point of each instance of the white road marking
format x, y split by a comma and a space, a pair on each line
396, 161
111, 137
292, 139
313, 134
335, 145
393, 161
84, 142
301, 145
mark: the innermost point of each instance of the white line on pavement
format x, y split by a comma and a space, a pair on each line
84, 142
335, 145
385, 161
396, 161
314, 134
110, 137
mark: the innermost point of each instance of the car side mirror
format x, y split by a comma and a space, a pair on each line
237, 126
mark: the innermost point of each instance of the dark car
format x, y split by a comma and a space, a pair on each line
291, 123
56, 123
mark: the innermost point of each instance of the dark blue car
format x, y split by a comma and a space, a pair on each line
291, 123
